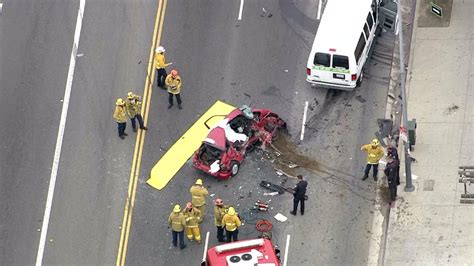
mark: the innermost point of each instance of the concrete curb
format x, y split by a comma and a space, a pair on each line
380, 225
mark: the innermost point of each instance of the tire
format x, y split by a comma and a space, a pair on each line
234, 168
359, 80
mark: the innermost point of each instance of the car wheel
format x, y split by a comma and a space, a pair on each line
234, 168
359, 80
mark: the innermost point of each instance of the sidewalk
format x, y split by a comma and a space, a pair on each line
429, 226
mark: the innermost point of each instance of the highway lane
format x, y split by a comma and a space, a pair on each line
95, 164
35, 46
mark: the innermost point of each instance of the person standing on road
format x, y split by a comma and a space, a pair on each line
160, 65
198, 197
219, 212
231, 223
299, 195
134, 106
173, 83
391, 171
120, 116
374, 154
177, 221
193, 219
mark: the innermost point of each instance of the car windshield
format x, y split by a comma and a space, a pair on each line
241, 124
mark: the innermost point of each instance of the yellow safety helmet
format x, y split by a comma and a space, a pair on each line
177, 208
231, 211
119, 101
375, 142
199, 182
130, 95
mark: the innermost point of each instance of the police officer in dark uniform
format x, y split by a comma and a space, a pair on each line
299, 195
393, 178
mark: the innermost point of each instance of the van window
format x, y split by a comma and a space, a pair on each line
322, 59
360, 47
370, 20
366, 31
340, 61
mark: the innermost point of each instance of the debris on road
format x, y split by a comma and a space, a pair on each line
260, 206
360, 99
280, 217
270, 194
272, 187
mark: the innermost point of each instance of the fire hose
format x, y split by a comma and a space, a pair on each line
264, 227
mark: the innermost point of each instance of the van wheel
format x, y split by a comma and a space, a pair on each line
359, 80
234, 168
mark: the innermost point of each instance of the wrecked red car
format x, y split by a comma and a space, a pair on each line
243, 129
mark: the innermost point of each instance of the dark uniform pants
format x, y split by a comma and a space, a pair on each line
121, 128
160, 77
175, 238
232, 235
220, 233
140, 121
295, 204
374, 172
170, 98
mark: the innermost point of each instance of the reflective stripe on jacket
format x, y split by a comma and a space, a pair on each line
192, 217
120, 114
198, 194
373, 154
177, 221
231, 222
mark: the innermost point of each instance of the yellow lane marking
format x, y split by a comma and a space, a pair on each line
183, 149
137, 155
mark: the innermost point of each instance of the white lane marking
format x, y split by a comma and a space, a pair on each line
319, 9
59, 140
287, 246
205, 247
241, 9
304, 120
1, 8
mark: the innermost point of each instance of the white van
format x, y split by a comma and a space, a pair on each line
343, 41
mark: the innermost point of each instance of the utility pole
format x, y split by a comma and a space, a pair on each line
409, 183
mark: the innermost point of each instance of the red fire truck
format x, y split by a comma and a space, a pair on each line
253, 252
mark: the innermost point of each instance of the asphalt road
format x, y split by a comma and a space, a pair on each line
95, 164
35, 46
259, 60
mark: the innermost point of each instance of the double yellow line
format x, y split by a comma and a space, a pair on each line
137, 154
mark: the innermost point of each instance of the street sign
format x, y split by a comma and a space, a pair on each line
403, 134
437, 10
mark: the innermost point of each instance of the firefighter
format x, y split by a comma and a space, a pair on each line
173, 83
374, 154
231, 223
198, 197
193, 219
134, 106
160, 65
177, 221
219, 212
120, 116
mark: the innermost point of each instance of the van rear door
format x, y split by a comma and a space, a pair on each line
331, 68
